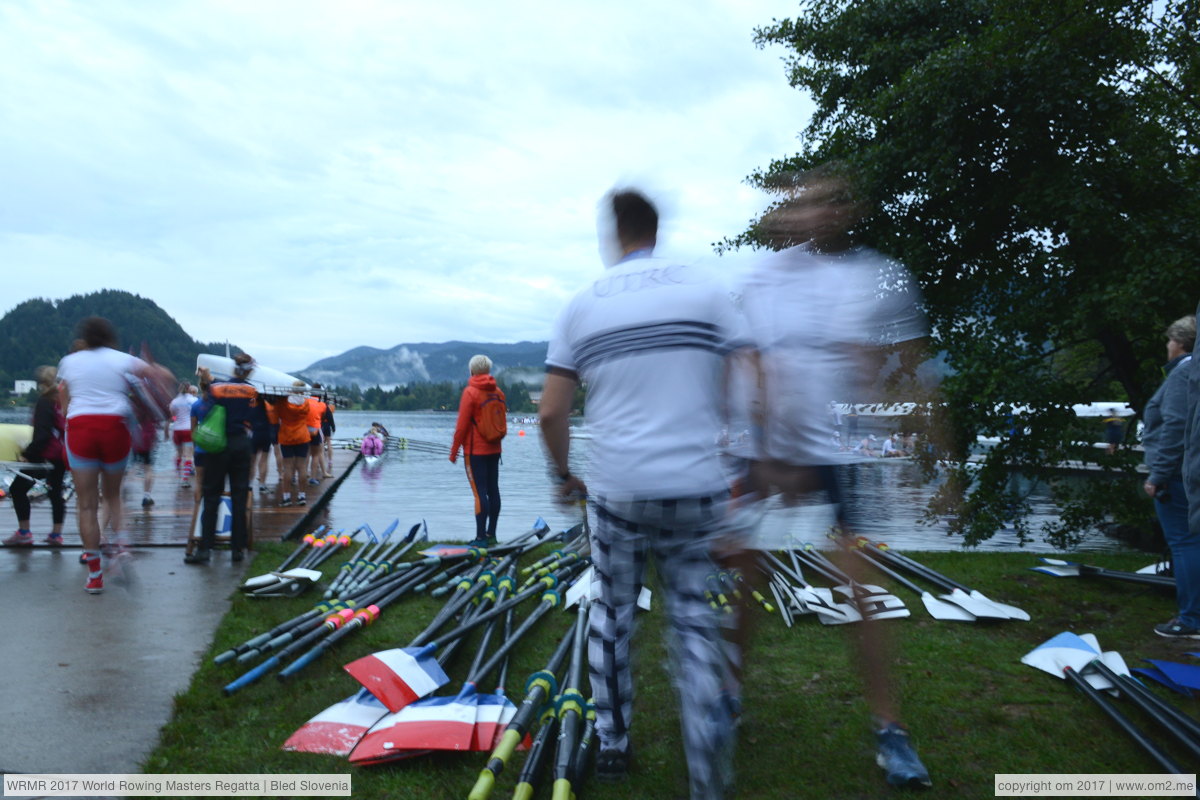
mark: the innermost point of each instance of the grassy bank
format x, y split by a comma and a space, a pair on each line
974, 709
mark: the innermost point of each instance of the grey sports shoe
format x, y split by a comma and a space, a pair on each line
612, 765
897, 756
1177, 630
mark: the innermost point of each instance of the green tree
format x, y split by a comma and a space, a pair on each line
1034, 165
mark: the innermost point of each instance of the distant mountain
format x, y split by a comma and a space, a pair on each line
40, 331
427, 362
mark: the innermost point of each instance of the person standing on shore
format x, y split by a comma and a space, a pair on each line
482, 424
649, 340
238, 398
95, 393
1165, 419
47, 459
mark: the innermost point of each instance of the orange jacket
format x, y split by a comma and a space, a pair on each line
293, 422
475, 392
316, 410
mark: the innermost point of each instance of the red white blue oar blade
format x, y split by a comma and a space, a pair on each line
399, 676
337, 729
490, 720
435, 723
1062, 651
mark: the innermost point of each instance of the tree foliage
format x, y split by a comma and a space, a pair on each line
1034, 165
40, 331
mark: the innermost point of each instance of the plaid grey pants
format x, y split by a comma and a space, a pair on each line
680, 534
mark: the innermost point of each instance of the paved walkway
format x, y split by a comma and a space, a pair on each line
89, 679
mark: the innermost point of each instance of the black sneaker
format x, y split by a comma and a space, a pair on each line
1177, 630
237, 555
147, 502
198, 557
612, 765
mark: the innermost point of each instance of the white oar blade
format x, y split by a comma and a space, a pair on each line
400, 676
337, 729
1058, 572
940, 609
434, 723
1114, 661
1155, 569
981, 610
1012, 611
893, 613
582, 587
1062, 651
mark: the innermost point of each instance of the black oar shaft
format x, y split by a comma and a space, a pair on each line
1168, 721
1135, 733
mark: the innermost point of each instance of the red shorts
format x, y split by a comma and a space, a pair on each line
181, 437
97, 440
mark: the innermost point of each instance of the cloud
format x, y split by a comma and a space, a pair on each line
303, 178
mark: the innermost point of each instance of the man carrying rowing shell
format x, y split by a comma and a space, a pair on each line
649, 340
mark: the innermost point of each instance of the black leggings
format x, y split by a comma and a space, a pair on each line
484, 474
234, 463
53, 473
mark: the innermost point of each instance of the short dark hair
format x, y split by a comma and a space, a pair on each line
636, 218
97, 332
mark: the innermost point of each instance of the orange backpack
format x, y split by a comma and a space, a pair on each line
492, 421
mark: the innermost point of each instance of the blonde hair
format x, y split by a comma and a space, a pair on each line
46, 377
480, 365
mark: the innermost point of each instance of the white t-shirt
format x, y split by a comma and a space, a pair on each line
649, 339
96, 381
181, 412
812, 316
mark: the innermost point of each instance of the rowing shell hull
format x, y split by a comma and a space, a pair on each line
261, 378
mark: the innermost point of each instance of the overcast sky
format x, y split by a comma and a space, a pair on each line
302, 178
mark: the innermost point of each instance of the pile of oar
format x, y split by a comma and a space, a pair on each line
1079, 659
846, 602
287, 580
959, 602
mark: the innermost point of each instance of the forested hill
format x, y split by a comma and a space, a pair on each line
40, 332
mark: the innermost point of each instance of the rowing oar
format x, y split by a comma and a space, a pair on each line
970, 599
430, 723
738, 579
1069, 569
873, 602
571, 707
361, 618
1182, 727
1064, 656
402, 675
307, 541
812, 599
338, 729
332, 623
539, 754
352, 574
285, 632
938, 609
384, 564
540, 687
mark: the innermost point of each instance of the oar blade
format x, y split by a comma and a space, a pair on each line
1186, 675
1059, 652
490, 722
981, 610
434, 723
1012, 611
399, 676
337, 729
940, 609
1058, 572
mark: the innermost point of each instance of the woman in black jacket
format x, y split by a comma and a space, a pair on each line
48, 461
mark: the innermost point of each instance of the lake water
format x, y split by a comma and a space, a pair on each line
417, 485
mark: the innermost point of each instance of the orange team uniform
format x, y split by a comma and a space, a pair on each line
316, 410
293, 421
